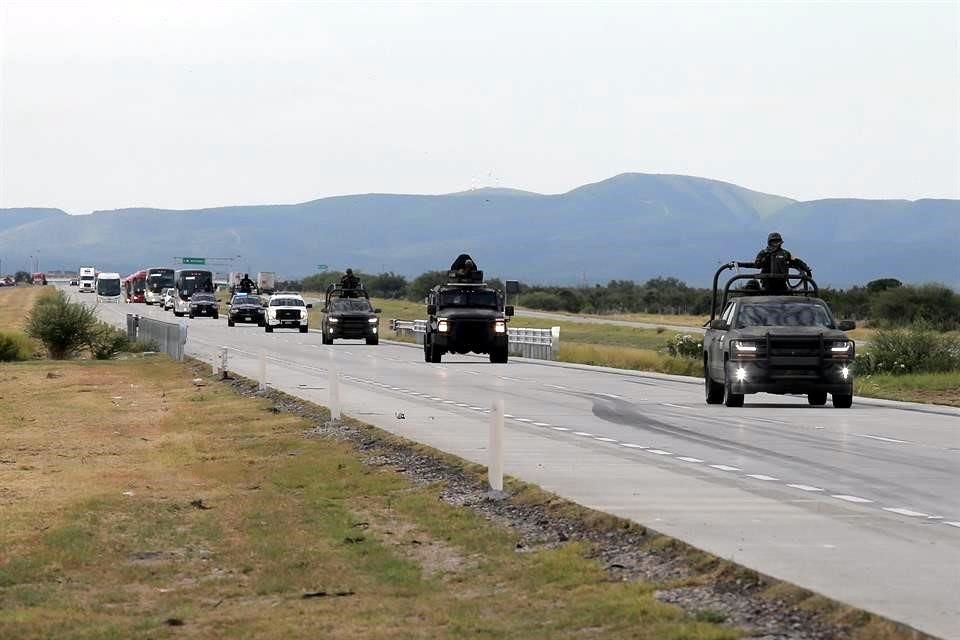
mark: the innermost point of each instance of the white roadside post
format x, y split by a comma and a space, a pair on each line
263, 370
223, 363
334, 384
495, 447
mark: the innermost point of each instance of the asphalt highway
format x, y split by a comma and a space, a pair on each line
861, 505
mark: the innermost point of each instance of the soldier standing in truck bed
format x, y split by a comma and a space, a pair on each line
776, 261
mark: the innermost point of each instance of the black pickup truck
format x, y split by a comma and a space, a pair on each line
245, 308
348, 314
781, 344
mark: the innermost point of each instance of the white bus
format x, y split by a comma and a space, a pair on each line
157, 281
108, 287
187, 282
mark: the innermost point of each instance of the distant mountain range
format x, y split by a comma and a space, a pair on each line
632, 226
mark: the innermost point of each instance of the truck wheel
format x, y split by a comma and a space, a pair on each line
435, 354
216, 316
268, 328
191, 315
732, 399
229, 322
374, 340
304, 329
426, 351
714, 390
843, 400
817, 398
499, 356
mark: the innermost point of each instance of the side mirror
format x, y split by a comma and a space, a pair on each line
508, 310
847, 325
309, 305
431, 309
378, 310
719, 324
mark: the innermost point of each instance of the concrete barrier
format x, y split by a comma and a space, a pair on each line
541, 344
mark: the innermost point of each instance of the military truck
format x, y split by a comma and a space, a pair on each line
465, 315
783, 344
348, 314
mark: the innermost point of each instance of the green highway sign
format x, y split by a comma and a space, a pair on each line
194, 260
322, 267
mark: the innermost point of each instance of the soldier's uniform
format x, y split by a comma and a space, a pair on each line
777, 261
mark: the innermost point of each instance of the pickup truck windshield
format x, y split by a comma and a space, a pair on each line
349, 304
286, 302
784, 315
246, 300
466, 298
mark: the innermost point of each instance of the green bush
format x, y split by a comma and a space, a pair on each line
543, 300
685, 346
107, 341
14, 346
63, 327
917, 349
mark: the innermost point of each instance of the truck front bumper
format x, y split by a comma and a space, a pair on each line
745, 376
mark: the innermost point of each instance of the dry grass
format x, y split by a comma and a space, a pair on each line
936, 388
15, 303
99, 539
629, 358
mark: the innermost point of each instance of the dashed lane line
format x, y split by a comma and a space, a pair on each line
849, 498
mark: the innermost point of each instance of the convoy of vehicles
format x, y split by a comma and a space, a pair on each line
465, 315
287, 310
782, 344
108, 287
87, 276
347, 313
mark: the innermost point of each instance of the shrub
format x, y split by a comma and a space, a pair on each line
915, 350
541, 300
685, 346
14, 346
106, 341
63, 327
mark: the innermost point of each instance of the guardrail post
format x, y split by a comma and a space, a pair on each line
263, 370
554, 343
495, 447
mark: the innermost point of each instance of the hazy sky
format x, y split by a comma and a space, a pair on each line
182, 105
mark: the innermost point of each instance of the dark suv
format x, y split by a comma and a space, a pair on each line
776, 344
245, 308
347, 313
464, 317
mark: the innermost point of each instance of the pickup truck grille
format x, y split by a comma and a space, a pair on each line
795, 357
470, 331
288, 314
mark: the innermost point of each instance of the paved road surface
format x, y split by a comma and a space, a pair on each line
861, 505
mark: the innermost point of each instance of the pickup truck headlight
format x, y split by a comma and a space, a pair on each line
841, 348
744, 348
500, 326
372, 320
333, 320
442, 326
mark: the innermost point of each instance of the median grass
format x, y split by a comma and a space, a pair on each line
15, 304
141, 500
935, 388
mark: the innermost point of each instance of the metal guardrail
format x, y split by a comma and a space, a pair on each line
542, 344
169, 337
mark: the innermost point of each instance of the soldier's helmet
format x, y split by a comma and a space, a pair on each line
774, 239
349, 272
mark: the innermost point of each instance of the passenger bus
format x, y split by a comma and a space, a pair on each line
134, 286
187, 282
157, 281
108, 287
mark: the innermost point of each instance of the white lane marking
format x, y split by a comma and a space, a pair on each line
804, 487
583, 433
660, 452
689, 459
509, 379
508, 415
632, 446
523, 419
934, 517
449, 402
760, 476
611, 395
349, 353
465, 406
560, 429
477, 408
848, 498
542, 424
881, 438
472, 373
906, 512
723, 467
952, 524
601, 439
675, 406
556, 386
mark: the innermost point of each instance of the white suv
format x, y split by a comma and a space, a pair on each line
287, 310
